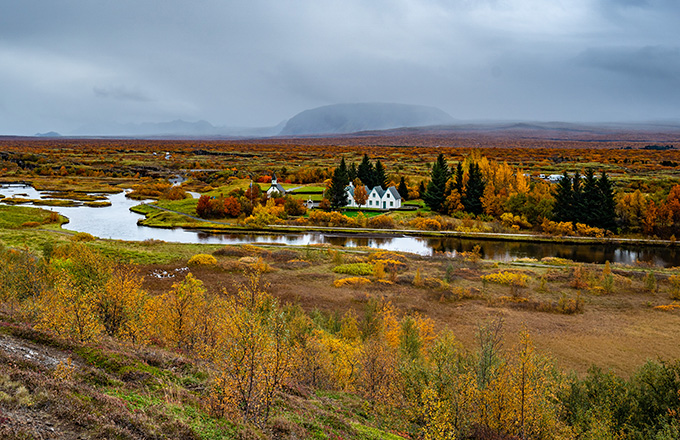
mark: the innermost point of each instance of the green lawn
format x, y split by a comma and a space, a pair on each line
12, 217
417, 202
367, 213
187, 206
235, 184
309, 188
305, 197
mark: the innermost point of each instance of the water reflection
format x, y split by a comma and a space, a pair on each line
118, 222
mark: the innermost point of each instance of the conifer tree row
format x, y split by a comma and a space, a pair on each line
366, 172
470, 192
369, 174
590, 201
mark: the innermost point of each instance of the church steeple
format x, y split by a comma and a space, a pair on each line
274, 182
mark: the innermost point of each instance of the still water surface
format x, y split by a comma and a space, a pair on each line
118, 222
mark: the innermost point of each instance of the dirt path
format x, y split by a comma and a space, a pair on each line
24, 420
30, 352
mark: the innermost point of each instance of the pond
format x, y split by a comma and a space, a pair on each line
118, 222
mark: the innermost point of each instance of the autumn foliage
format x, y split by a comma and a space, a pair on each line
256, 349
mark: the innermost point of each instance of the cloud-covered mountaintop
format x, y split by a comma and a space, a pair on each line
350, 118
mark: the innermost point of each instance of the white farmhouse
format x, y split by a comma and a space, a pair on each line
378, 198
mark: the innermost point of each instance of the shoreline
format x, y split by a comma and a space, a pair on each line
377, 233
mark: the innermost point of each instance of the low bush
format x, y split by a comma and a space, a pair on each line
83, 236
381, 222
668, 307
425, 224
352, 281
393, 266
674, 291
202, 260
506, 278
387, 255
356, 269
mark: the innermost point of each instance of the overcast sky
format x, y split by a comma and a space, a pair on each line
67, 63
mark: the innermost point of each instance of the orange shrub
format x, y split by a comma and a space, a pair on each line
381, 222
425, 224
351, 281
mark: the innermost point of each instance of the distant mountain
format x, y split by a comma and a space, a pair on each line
176, 128
49, 134
351, 118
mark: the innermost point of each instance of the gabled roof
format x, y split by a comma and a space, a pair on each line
379, 190
278, 187
392, 189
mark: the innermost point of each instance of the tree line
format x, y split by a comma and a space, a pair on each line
479, 186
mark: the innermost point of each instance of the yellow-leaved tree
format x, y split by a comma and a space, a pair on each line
120, 305
446, 401
69, 308
254, 354
176, 315
519, 400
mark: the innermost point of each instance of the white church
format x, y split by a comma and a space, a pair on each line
378, 198
275, 187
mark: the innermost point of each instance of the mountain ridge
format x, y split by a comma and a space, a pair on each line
358, 117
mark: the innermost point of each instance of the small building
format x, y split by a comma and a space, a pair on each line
275, 187
378, 198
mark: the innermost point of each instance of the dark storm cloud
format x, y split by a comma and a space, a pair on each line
71, 62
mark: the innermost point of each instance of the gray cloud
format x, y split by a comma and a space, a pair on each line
122, 93
256, 62
649, 62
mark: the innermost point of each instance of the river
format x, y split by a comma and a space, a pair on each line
119, 223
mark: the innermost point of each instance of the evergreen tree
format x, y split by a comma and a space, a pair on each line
458, 184
352, 172
589, 212
421, 189
337, 194
606, 206
366, 172
474, 190
577, 206
435, 195
562, 211
380, 175
402, 189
